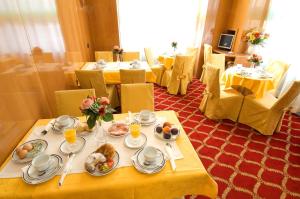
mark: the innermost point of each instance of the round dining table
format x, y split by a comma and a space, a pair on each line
254, 80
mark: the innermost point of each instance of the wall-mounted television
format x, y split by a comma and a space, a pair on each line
226, 41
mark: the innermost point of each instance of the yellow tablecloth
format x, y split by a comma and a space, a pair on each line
112, 75
167, 61
258, 86
124, 183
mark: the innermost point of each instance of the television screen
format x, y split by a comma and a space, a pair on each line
226, 41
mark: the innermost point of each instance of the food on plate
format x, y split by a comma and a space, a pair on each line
28, 147
167, 124
22, 153
167, 135
174, 131
29, 150
118, 129
107, 150
166, 129
101, 159
83, 127
158, 129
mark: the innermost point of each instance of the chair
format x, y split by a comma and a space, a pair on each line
130, 56
192, 52
95, 79
136, 97
68, 101
105, 55
157, 69
179, 78
131, 76
217, 60
265, 114
278, 69
217, 104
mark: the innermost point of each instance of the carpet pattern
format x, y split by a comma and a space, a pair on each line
244, 163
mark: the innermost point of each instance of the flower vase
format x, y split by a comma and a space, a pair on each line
118, 59
253, 49
100, 135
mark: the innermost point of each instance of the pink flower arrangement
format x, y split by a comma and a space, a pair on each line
96, 108
256, 37
255, 59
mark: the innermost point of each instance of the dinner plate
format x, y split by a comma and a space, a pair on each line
146, 170
39, 146
151, 120
161, 135
57, 166
116, 136
116, 159
141, 143
80, 143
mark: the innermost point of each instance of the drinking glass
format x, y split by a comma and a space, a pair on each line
135, 132
70, 136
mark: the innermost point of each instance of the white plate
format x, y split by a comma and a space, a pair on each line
142, 141
117, 136
161, 135
143, 170
116, 159
43, 146
59, 164
80, 143
151, 120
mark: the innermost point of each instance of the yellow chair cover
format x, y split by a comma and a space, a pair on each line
131, 76
157, 69
193, 52
166, 78
216, 60
94, 79
265, 114
68, 101
136, 97
105, 55
218, 104
130, 56
166, 61
278, 69
180, 75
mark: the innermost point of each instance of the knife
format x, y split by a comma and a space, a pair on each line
171, 155
66, 169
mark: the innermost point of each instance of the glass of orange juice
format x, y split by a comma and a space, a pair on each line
70, 136
135, 130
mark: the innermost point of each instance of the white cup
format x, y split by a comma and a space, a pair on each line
145, 115
62, 121
150, 153
41, 162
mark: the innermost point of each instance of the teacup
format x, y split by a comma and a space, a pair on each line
145, 115
62, 121
41, 162
150, 153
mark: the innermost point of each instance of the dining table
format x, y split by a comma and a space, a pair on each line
111, 70
256, 81
125, 182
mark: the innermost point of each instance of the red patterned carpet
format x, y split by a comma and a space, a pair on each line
244, 163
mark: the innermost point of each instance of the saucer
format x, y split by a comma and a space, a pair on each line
116, 159
39, 146
152, 119
157, 163
79, 145
72, 122
29, 173
147, 170
35, 174
142, 141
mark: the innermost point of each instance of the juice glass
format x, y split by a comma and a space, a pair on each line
135, 130
70, 136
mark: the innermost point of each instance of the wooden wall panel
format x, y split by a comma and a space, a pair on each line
103, 23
